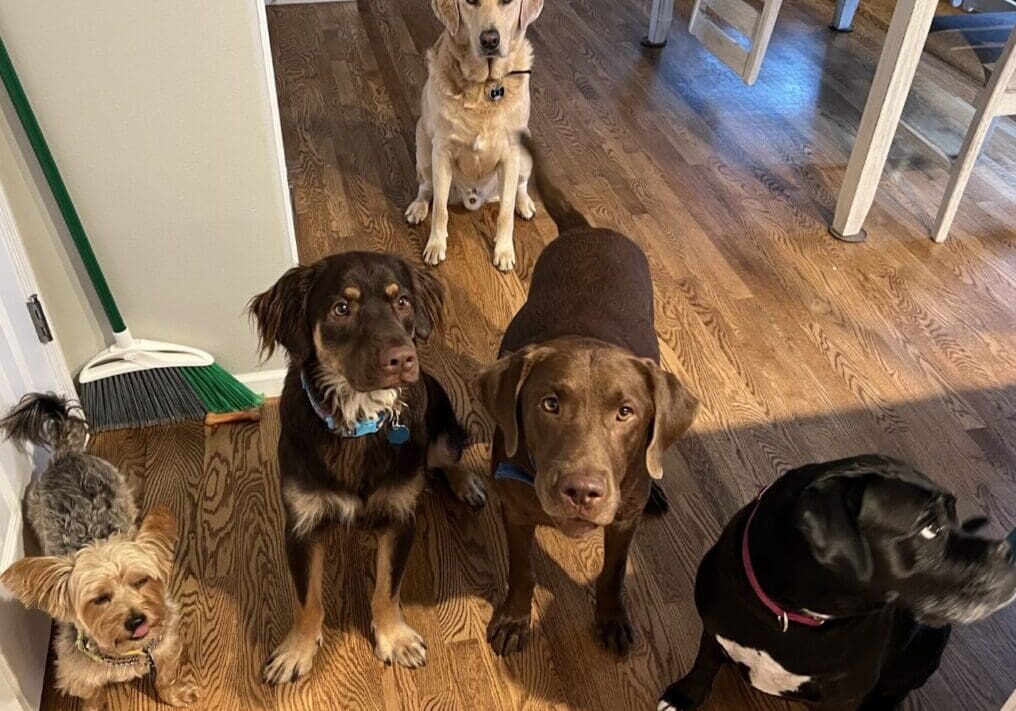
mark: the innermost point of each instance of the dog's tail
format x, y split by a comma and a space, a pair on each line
46, 420
560, 209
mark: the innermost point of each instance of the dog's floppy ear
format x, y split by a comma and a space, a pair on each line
448, 12
499, 386
281, 313
827, 516
157, 536
674, 410
429, 298
41, 583
531, 9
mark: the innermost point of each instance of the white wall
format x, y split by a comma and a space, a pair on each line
162, 119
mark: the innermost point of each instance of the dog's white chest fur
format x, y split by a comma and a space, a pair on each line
764, 672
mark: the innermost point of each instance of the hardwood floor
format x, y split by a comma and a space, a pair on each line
800, 348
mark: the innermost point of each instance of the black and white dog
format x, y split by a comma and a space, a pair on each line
838, 585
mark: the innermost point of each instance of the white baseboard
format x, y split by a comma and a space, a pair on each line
267, 382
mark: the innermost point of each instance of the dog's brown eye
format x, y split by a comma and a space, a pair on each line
624, 412
101, 600
472, 2
342, 308
403, 302
550, 404
141, 583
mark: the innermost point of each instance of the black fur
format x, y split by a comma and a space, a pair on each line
845, 539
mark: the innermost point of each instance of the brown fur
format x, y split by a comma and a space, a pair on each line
580, 401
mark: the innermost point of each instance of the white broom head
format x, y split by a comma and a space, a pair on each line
128, 355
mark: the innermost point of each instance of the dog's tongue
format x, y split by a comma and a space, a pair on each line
141, 631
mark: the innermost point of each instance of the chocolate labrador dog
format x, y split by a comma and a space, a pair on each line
836, 586
583, 413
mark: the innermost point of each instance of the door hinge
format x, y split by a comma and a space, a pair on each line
39, 320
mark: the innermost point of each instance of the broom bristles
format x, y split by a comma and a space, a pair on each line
140, 399
155, 397
220, 391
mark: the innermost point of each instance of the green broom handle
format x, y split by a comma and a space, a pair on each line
60, 194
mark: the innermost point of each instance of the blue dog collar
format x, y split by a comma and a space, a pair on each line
398, 434
507, 470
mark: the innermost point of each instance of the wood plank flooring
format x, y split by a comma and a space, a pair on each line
801, 348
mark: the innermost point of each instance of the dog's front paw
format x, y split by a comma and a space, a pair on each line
291, 659
435, 250
524, 206
504, 255
679, 695
466, 486
179, 694
508, 634
399, 644
615, 632
417, 211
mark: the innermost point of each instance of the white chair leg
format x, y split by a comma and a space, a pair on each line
760, 40
843, 15
660, 17
908, 31
961, 172
743, 19
995, 100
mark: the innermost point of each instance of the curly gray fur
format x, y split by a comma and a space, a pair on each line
79, 498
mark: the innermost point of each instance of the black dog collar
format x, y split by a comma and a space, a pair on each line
496, 91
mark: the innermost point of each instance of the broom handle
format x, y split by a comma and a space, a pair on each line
56, 185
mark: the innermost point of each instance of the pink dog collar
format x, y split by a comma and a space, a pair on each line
784, 616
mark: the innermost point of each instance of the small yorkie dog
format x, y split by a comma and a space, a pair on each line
104, 579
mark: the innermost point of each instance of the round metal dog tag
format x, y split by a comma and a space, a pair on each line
398, 434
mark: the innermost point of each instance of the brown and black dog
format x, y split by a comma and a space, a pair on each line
583, 413
360, 422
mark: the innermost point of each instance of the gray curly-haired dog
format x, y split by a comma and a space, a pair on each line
103, 578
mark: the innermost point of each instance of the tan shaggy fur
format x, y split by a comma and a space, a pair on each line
96, 590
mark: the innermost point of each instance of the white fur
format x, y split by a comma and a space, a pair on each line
349, 405
310, 509
463, 137
474, 194
764, 672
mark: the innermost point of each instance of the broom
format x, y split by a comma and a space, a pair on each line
134, 382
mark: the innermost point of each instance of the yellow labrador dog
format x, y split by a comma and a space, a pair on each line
475, 104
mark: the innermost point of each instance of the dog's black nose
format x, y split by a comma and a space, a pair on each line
490, 40
134, 621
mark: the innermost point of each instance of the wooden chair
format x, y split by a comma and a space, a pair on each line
735, 32
997, 99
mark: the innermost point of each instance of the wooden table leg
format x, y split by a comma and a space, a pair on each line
660, 17
904, 43
843, 15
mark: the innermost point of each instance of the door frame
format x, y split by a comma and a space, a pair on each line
50, 372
